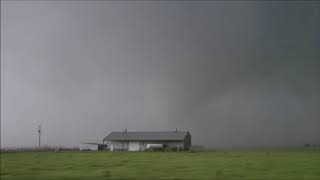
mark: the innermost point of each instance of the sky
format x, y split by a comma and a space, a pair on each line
234, 74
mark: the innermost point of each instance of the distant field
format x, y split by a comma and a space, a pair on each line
262, 164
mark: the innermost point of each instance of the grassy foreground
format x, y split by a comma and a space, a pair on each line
263, 164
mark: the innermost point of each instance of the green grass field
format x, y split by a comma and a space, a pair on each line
255, 164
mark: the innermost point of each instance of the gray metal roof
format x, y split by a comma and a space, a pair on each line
145, 136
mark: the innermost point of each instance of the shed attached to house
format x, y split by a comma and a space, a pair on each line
138, 141
93, 147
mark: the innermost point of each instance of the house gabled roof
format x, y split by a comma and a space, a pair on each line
146, 136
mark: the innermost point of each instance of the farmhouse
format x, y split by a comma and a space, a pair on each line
140, 141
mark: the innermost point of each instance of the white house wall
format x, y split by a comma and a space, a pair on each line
124, 145
119, 145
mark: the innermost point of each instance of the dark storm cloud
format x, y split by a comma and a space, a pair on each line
265, 89
235, 74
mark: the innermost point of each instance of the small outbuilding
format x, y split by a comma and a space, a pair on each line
92, 147
139, 141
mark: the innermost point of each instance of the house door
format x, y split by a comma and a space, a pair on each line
134, 146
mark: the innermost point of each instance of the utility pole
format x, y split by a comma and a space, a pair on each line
39, 133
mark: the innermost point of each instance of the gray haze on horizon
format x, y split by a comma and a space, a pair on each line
233, 73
